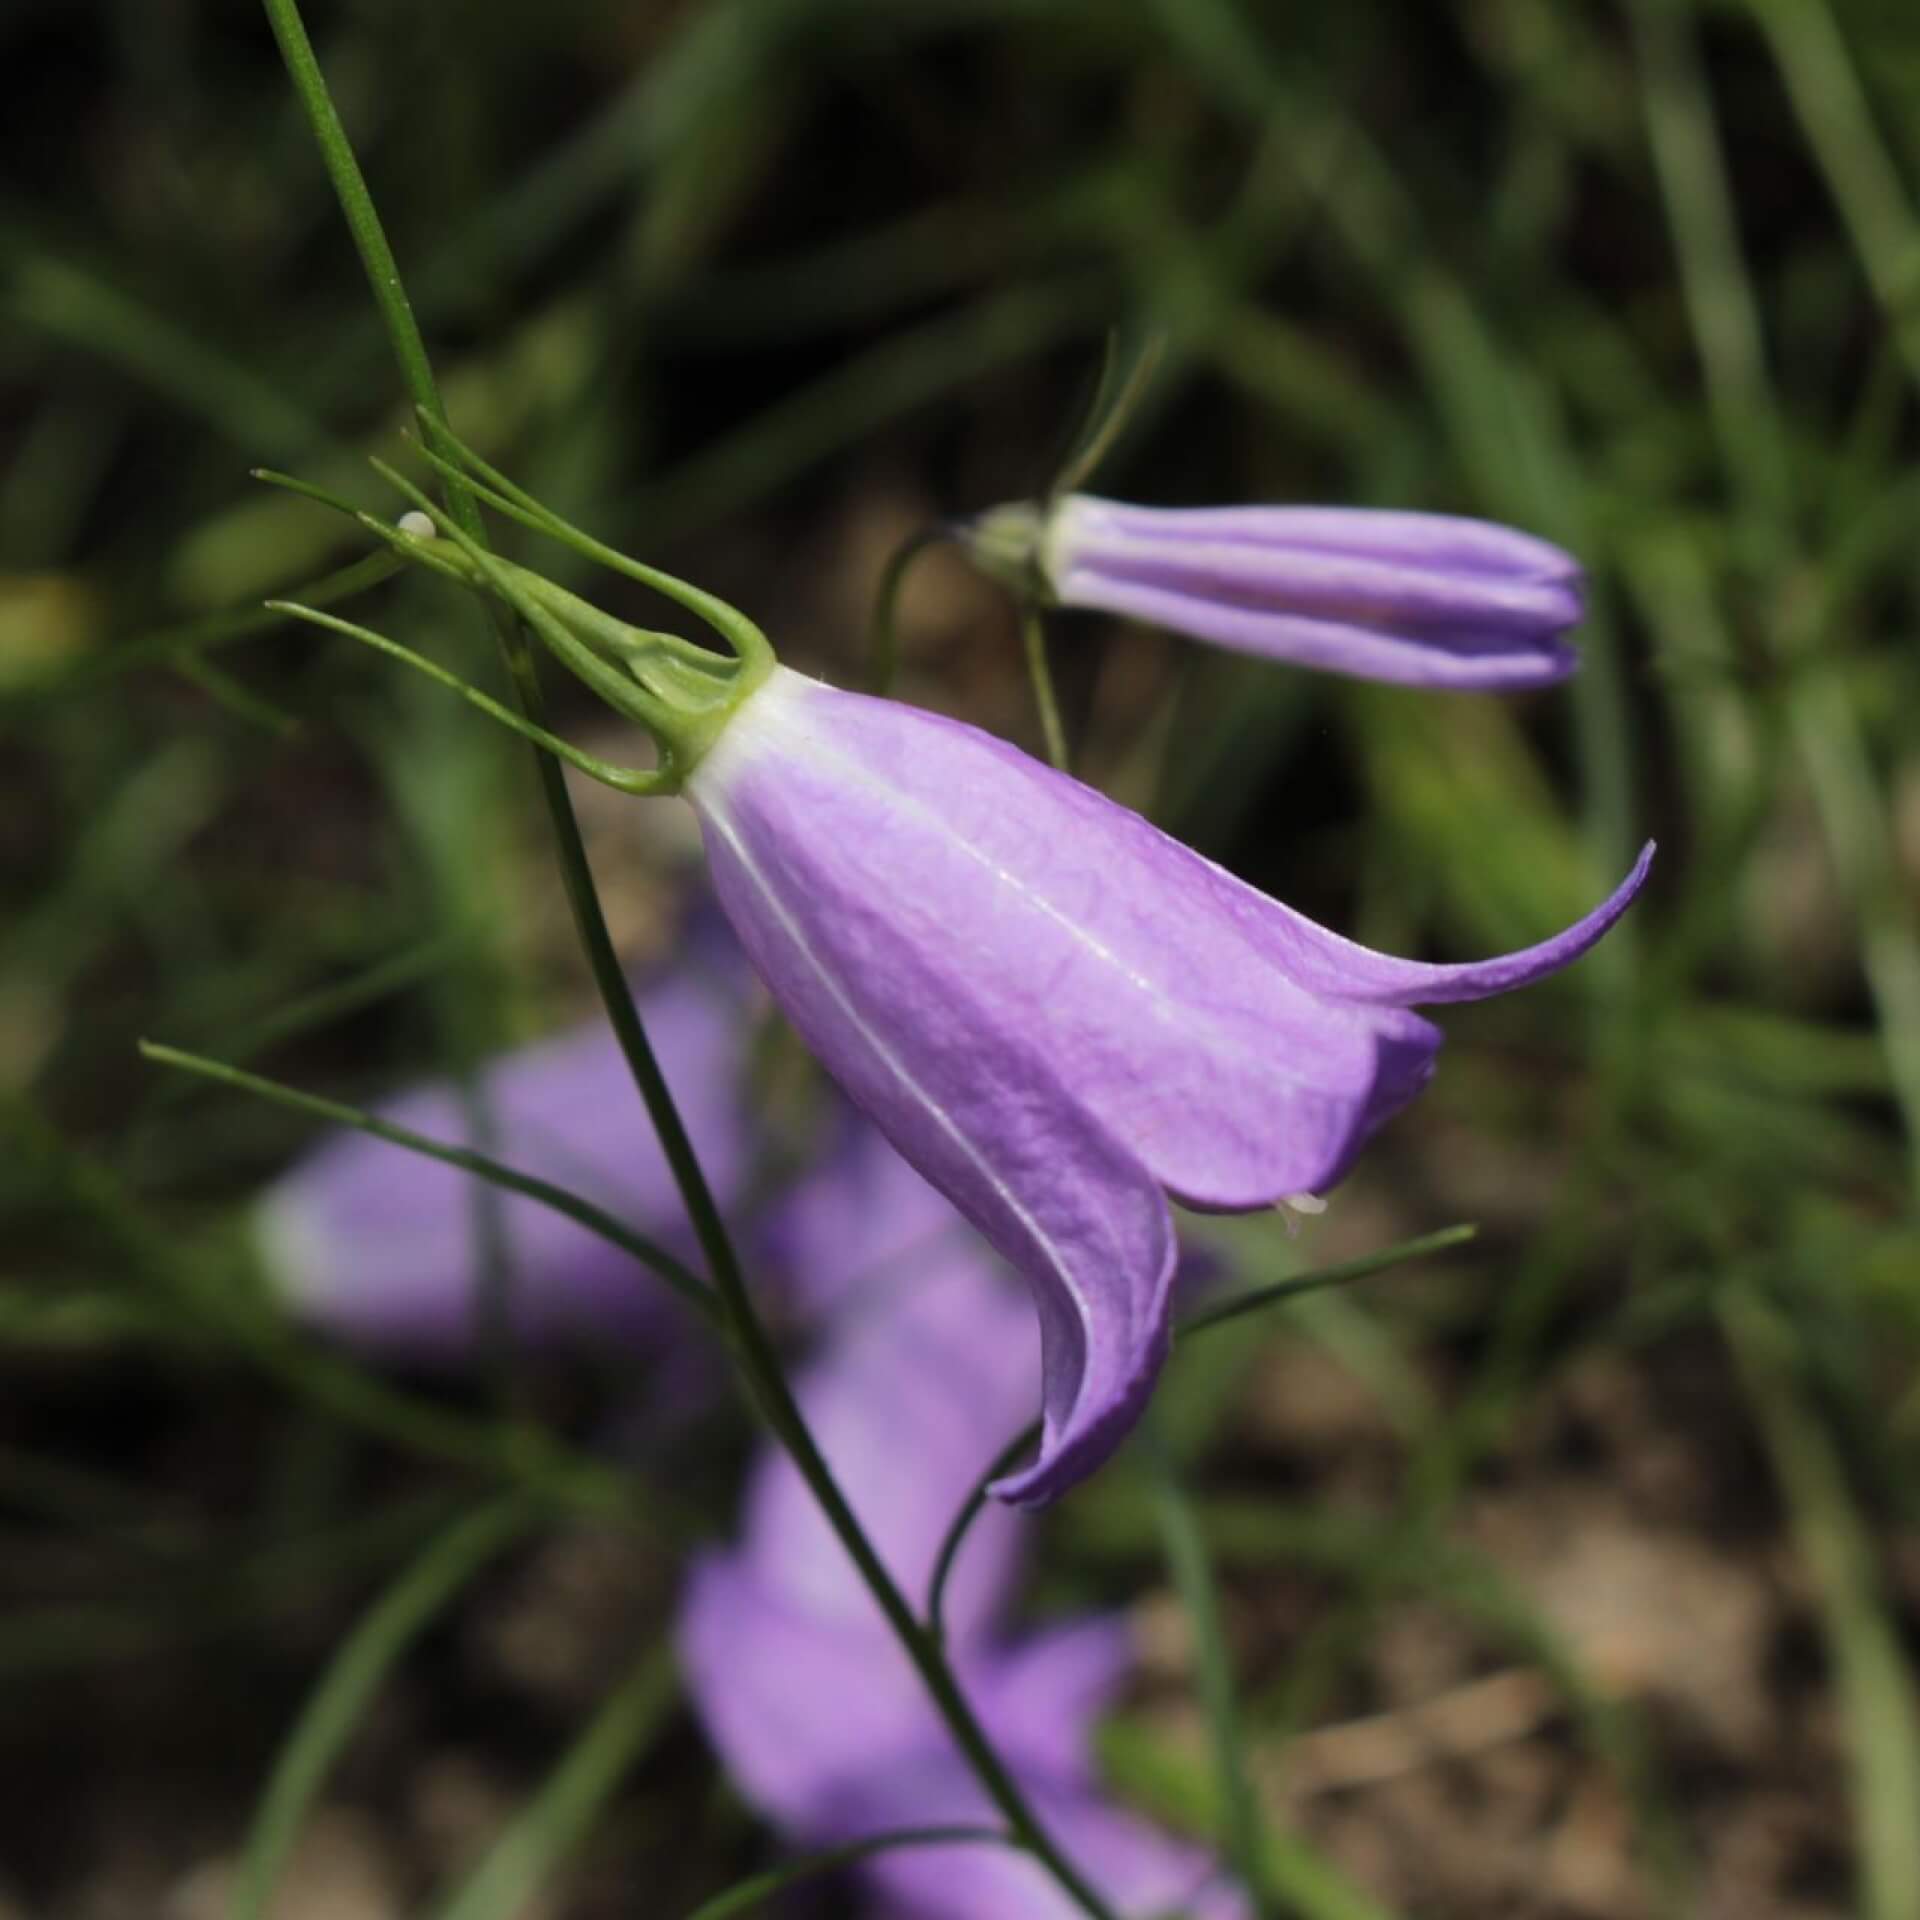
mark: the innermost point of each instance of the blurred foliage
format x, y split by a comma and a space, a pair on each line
757, 288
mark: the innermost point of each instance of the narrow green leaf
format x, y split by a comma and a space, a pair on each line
347, 1689
623, 779
1219, 1312
553, 1824
1191, 1568
1877, 1688
583, 1212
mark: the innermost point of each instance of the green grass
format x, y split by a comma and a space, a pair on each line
753, 288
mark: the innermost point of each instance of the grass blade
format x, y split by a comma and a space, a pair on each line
559, 1816
350, 1683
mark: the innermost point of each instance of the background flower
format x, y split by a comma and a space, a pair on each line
384, 1248
817, 1712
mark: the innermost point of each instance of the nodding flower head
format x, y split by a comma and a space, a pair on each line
1059, 1015
1426, 599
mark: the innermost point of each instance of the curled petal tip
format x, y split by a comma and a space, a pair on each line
1095, 1421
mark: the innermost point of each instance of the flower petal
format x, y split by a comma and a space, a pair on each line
1458, 657
1446, 540
1008, 911
1423, 599
865, 914
801, 1709
1043, 1695
1333, 965
862, 1224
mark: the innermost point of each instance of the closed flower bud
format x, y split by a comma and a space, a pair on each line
1426, 599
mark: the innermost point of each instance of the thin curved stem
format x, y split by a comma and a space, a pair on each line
581, 1211
883, 639
1116, 399
1033, 640
1218, 1312
1004, 1461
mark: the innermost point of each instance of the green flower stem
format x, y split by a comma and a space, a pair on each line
363, 222
1033, 636
883, 631
747, 1336
1004, 1461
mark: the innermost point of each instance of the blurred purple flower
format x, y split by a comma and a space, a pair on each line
1057, 1014
1427, 599
382, 1247
821, 1719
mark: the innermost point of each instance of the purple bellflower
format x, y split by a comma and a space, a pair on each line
1057, 1014
1426, 599
821, 1719
382, 1248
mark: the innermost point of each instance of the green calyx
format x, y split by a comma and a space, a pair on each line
1007, 544
681, 692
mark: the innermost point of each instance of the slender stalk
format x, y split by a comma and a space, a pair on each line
356, 205
572, 1206
416, 371
1254, 1299
747, 1336
957, 1530
883, 631
1033, 638
1192, 1569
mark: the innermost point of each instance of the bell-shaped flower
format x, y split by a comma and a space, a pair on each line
1056, 1013
1427, 599
804, 1690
